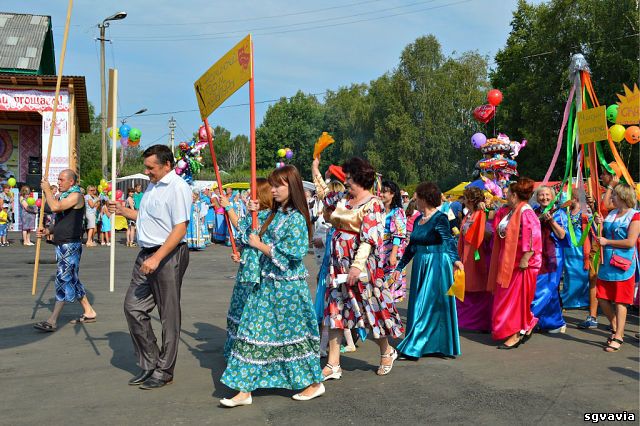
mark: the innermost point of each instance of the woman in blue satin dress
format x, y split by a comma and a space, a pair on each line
432, 321
546, 302
575, 281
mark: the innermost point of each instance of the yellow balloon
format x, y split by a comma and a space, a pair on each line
117, 133
617, 132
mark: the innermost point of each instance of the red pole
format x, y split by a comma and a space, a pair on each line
252, 119
217, 172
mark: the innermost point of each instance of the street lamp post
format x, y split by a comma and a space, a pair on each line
141, 111
103, 96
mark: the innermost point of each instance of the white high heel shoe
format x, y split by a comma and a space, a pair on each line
231, 403
317, 393
336, 372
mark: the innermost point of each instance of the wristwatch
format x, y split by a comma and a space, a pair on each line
227, 208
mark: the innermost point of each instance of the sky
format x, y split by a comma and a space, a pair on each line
161, 48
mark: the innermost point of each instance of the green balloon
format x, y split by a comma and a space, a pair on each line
612, 113
11, 182
135, 134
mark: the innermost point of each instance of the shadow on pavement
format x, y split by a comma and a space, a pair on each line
626, 372
209, 352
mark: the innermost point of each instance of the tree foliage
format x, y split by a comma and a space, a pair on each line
532, 69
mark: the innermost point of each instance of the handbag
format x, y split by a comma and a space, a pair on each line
620, 262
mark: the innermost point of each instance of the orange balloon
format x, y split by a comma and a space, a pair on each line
134, 143
632, 134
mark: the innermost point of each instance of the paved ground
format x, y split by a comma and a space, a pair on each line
79, 374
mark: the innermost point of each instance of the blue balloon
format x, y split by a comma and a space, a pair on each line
124, 130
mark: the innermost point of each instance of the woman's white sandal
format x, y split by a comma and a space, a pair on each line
336, 372
383, 370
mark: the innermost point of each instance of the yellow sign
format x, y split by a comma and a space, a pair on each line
592, 125
629, 106
224, 77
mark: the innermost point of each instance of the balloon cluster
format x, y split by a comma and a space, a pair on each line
189, 160
484, 113
129, 136
618, 132
283, 153
105, 191
499, 162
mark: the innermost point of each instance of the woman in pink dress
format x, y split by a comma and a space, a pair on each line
474, 249
516, 260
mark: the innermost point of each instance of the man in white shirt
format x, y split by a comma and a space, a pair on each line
162, 226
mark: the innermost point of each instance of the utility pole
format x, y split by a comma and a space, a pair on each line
172, 129
103, 102
103, 91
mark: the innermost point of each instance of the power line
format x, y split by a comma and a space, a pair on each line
550, 52
228, 106
232, 34
226, 21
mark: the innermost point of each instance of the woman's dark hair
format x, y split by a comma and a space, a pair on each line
523, 188
297, 200
130, 191
473, 195
429, 193
361, 171
411, 208
395, 190
162, 153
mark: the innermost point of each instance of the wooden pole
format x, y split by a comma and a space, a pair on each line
36, 264
214, 160
252, 123
113, 79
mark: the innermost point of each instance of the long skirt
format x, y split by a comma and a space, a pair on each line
239, 296
512, 305
278, 341
575, 282
546, 302
475, 312
432, 322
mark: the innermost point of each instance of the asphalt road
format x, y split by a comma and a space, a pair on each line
78, 375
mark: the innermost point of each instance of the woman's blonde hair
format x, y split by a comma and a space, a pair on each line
625, 193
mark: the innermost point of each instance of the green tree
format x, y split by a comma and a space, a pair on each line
532, 69
89, 161
294, 123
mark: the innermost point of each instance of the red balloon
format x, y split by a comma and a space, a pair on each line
38, 203
108, 188
484, 113
118, 194
494, 97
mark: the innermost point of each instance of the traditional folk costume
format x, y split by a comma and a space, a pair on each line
546, 302
395, 234
516, 231
357, 241
432, 322
474, 313
277, 343
575, 280
247, 278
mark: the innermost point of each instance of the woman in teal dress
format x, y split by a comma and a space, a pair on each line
277, 344
432, 321
248, 275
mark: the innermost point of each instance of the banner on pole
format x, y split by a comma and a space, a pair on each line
592, 125
629, 106
224, 77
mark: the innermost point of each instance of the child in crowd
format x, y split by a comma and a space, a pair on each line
105, 227
4, 219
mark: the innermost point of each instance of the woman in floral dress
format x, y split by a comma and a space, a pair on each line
248, 275
357, 294
395, 237
277, 344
